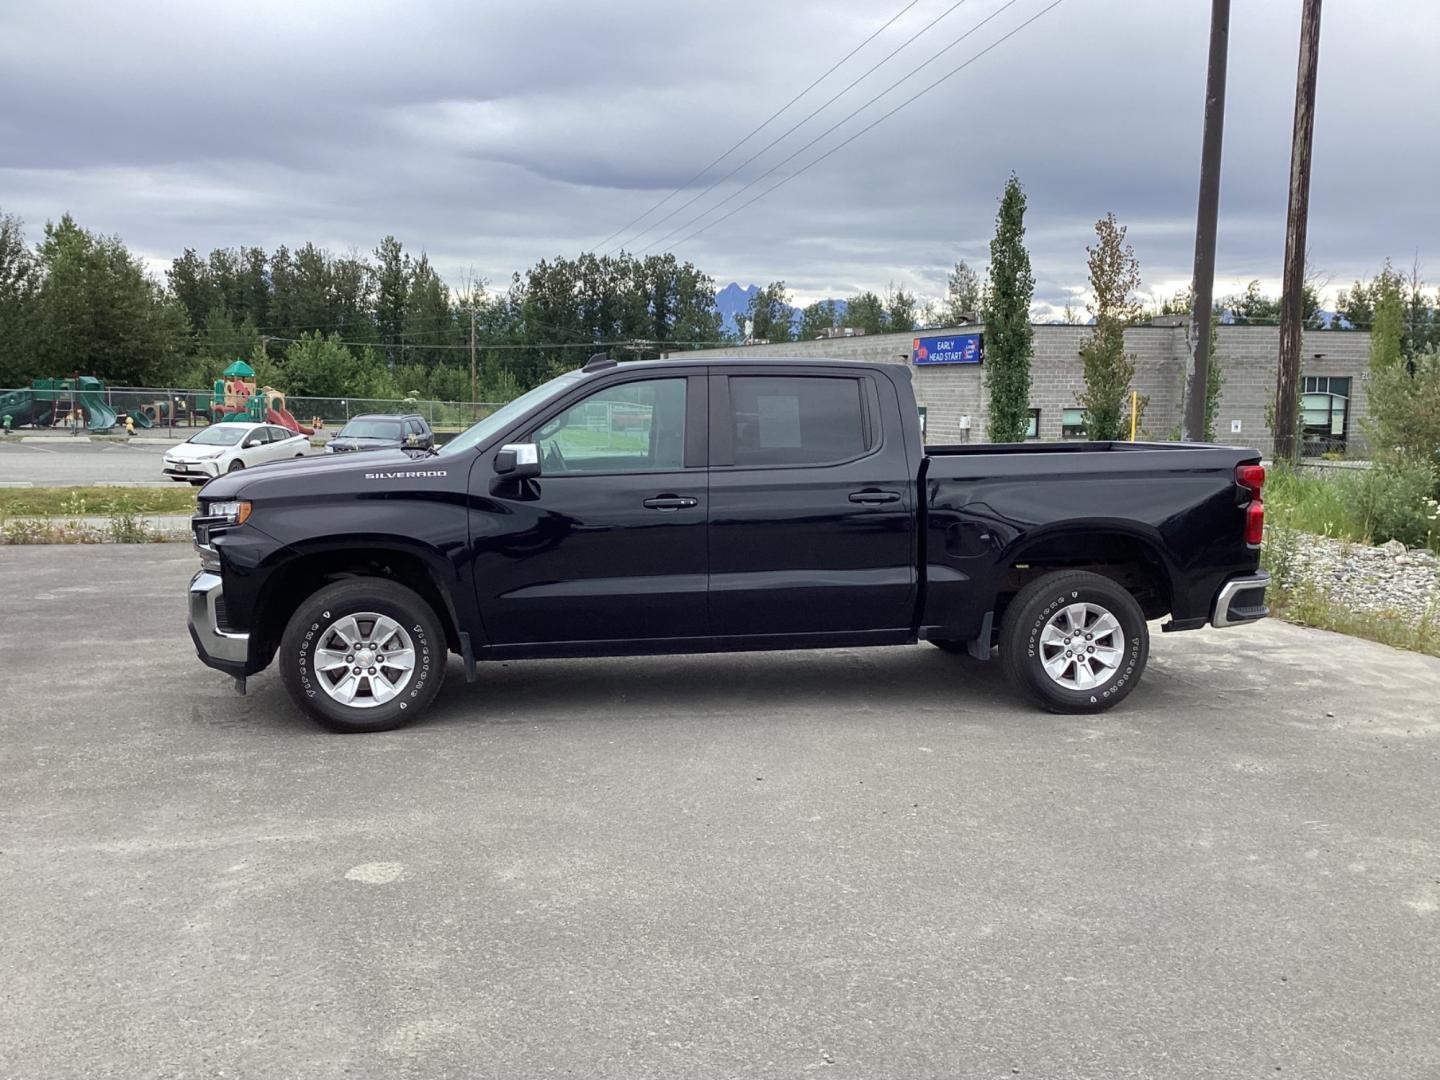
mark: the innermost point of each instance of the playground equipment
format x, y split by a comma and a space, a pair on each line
59, 402
237, 398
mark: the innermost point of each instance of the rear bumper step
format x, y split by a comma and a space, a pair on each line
1241, 600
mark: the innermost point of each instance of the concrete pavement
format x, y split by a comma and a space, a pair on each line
861, 863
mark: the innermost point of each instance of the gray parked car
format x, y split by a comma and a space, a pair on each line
383, 431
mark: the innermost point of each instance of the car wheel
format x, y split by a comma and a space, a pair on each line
236, 465
1074, 641
365, 654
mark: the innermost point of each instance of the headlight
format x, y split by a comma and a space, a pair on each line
234, 511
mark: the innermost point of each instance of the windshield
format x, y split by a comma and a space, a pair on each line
219, 435
506, 415
370, 429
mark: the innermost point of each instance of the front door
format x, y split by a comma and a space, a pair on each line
608, 543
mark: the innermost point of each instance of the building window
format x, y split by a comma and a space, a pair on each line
1072, 424
1324, 414
1032, 426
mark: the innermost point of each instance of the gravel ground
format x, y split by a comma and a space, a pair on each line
1385, 580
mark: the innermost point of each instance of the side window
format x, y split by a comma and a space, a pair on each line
633, 427
280, 434
804, 420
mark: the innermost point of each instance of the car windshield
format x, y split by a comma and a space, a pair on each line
219, 435
507, 414
371, 429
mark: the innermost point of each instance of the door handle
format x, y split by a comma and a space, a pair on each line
670, 502
872, 496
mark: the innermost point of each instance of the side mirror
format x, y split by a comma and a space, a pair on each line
249, 444
518, 461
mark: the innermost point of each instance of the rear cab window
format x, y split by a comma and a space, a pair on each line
798, 420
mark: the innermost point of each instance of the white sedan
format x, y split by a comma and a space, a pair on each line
228, 446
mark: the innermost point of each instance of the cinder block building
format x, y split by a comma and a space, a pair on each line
952, 397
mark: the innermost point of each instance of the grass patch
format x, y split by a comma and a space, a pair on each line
1309, 606
89, 502
119, 529
1311, 501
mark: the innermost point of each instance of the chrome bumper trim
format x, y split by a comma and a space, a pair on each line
205, 589
1221, 615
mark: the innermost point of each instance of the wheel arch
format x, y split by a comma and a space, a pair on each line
1132, 557
323, 561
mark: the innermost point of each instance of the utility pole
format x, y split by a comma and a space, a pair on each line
1287, 377
1197, 363
472, 350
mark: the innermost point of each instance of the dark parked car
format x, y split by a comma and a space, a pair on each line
706, 505
382, 431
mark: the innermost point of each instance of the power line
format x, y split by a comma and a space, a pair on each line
796, 126
839, 123
755, 131
841, 145
619, 342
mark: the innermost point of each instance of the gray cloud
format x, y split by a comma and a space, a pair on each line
493, 135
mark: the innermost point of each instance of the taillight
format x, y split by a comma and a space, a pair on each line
1255, 523
1252, 479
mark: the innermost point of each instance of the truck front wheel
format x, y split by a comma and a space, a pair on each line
1074, 641
365, 654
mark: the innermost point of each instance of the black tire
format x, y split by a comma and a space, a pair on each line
321, 611
1021, 654
236, 465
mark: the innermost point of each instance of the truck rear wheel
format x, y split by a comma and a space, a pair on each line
362, 655
1074, 641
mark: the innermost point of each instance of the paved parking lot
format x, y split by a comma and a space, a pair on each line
63, 462
863, 863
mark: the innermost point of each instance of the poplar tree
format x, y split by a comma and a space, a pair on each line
1006, 317
1114, 279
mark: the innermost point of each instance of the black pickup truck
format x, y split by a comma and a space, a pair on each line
706, 505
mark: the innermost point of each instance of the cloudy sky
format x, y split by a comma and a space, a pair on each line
494, 134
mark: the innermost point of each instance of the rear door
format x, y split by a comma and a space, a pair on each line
812, 512
608, 544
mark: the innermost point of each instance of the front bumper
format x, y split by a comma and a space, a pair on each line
221, 649
1241, 600
191, 470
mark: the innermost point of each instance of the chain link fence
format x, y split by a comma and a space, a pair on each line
171, 408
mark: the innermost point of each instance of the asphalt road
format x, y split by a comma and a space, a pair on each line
59, 464
860, 864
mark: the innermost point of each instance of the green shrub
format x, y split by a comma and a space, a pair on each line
1395, 500
1405, 409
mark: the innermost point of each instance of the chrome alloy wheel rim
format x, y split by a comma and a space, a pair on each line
1081, 647
364, 660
